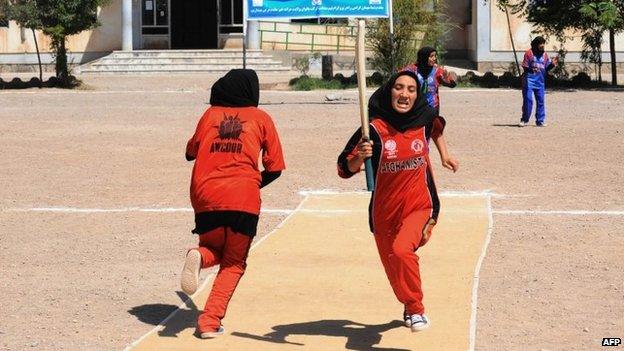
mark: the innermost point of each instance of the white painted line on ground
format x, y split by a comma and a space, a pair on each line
442, 194
101, 210
475, 280
560, 212
126, 209
208, 280
479, 90
60, 92
285, 211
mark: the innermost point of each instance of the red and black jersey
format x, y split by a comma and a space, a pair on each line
226, 147
403, 177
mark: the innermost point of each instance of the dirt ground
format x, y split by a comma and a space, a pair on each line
98, 280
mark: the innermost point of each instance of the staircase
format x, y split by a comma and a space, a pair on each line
181, 61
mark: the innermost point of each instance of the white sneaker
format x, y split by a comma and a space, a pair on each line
541, 125
190, 273
522, 124
407, 319
419, 322
212, 334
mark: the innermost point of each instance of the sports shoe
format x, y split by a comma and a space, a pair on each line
407, 319
419, 322
541, 124
211, 334
190, 273
522, 124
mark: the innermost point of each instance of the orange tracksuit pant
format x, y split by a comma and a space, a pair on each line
398, 255
228, 249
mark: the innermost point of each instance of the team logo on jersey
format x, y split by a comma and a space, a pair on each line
391, 148
230, 130
417, 146
231, 127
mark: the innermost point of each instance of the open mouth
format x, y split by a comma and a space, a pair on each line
403, 102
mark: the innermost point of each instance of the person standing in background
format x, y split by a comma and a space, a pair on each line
536, 65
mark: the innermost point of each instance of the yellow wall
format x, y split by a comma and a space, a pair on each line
106, 37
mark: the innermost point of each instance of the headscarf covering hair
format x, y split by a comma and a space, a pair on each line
238, 88
535, 43
422, 60
380, 106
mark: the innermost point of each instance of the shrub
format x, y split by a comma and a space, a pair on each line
414, 24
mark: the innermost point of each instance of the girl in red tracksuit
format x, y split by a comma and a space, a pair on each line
404, 206
225, 188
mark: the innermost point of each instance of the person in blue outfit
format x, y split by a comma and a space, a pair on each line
431, 75
536, 65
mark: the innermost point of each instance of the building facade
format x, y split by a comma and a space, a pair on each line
480, 33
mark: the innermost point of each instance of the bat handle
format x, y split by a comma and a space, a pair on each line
370, 181
368, 169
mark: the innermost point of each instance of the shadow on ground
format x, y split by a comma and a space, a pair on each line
156, 314
511, 125
359, 336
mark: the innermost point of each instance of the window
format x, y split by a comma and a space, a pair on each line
231, 20
155, 17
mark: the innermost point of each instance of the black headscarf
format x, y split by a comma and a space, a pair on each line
380, 106
422, 61
535, 43
238, 88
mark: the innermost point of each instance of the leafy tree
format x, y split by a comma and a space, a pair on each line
606, 16
27, 21
58, 19
592, 18
416, 23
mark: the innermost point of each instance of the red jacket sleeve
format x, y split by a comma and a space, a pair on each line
349, 152
192, 146
437, 127
272, 155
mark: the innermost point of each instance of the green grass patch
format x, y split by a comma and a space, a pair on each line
305, 83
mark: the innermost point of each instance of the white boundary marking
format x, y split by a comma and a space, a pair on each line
285, 211
94, 92
196, 91
560, 212
209, 279
475, 279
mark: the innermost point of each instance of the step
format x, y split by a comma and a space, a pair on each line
146, 71
177, 61
184, 67
135, 54
172, 57
181, 65
180, 61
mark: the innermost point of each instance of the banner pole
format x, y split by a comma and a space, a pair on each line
361, 78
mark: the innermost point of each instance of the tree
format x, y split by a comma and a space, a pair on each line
58, 19
414, 25
26, 21
592, 18
504, 5
606, 16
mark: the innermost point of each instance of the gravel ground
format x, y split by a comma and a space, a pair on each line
98, 281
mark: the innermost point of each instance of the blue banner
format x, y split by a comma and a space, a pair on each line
273, 9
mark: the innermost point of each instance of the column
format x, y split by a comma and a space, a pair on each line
253, 35
126, 25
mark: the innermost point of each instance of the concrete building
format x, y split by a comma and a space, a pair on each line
481, 35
